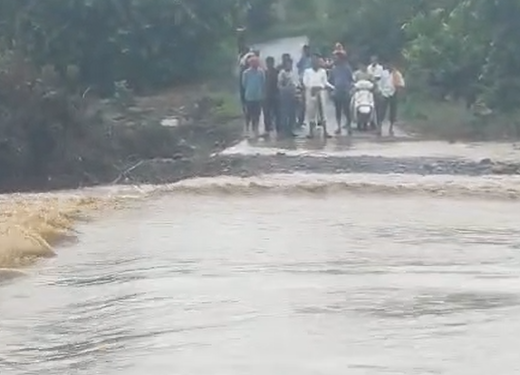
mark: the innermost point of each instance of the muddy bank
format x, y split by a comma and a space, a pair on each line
184, 125
167, 171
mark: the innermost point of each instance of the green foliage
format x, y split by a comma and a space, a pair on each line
455, 48
260, 14
38, 119
56, 55
147, 43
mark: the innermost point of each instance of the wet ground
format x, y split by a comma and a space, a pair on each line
358, 256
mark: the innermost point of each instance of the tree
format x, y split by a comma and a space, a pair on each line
147, 43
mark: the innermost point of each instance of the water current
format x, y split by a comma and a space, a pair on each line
273, 274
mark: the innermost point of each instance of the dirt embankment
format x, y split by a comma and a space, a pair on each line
129, 137
180, 128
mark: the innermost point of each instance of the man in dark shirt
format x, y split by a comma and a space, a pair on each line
342, 78
285, 58
271, 103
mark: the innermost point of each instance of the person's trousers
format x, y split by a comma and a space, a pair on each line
253, 112
287, 113
321, 112
388, 106
379, 103
312, 107
301, 110
242, 95
342, 107
271, 113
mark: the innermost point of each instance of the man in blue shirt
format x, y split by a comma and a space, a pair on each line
253, 82
305, 61
342, 78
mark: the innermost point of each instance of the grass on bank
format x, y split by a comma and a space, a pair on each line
451, 120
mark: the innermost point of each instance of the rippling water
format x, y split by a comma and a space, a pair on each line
277, 274
205, 283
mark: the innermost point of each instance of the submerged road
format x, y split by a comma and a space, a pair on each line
347, 269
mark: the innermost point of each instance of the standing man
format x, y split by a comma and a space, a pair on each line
287, 84
391, 83
341, 77
243, 64
271, 103
399, 84
315, 83
253, 82
302, 65
285, 57
305, 61
376, 71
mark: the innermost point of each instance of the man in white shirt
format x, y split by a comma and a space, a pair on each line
315, 82
385, 84
385, 90
375, 69
390, 83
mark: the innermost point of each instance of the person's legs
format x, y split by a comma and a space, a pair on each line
383, 109
302, 110
291, 115
377, 108
248, 111
268, 114
284, 114
276, 114
322, 102
256, 111
348, 113
242, 96
338, 108
392, 104
321, 118
311, 112
352, 108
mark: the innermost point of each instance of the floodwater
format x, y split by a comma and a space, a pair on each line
277, 274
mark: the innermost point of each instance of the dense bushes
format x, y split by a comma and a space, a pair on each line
459, 49
54, 52
38, 118
147, 43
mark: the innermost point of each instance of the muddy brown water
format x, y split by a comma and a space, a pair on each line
283, 274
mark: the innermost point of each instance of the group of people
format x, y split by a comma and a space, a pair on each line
290, 98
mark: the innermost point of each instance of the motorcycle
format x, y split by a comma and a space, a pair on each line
363, 106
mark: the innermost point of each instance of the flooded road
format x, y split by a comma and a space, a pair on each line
316, 272
299, 285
